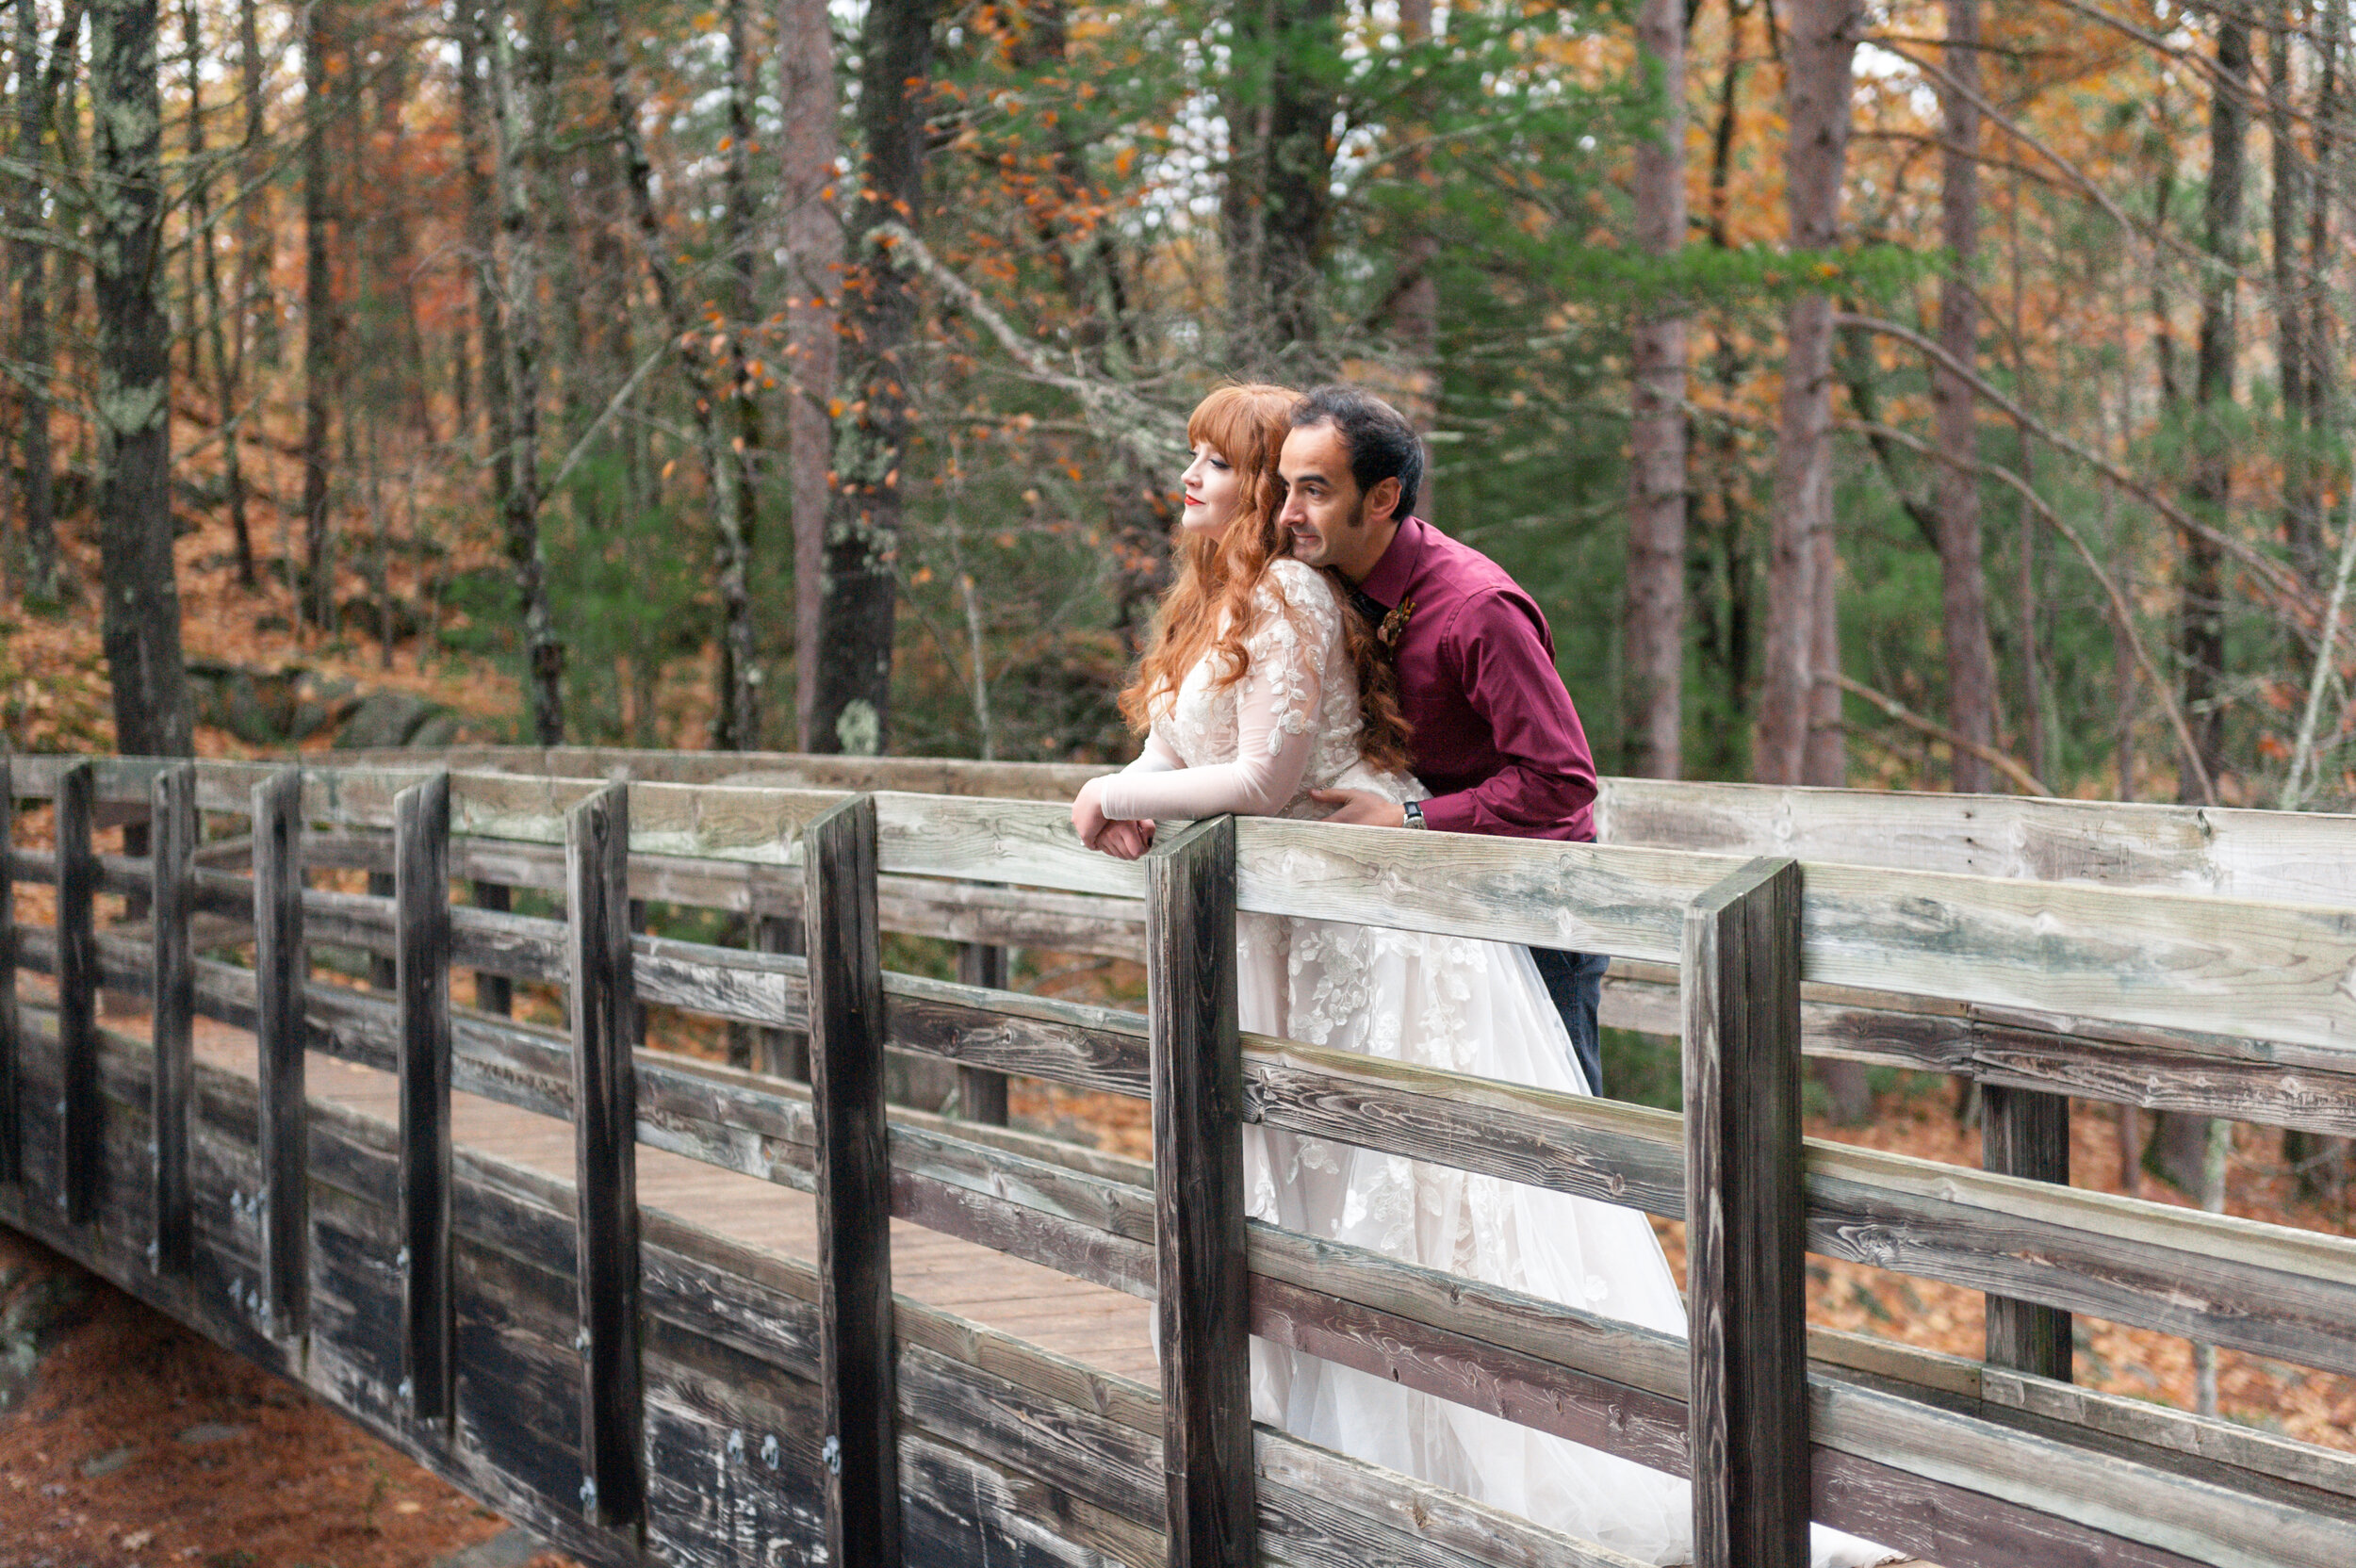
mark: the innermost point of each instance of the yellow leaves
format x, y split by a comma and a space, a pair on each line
667, 468
921, 576
706, 21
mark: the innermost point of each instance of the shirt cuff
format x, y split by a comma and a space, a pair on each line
1454, 814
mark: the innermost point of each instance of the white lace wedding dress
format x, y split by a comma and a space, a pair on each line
1258, 746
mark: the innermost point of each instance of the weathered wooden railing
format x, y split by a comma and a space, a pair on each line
734, 1406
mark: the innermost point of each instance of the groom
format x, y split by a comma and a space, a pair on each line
1496, 737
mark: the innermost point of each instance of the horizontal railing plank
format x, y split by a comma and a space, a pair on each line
2299, 856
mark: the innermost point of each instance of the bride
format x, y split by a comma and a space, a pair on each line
1259, 686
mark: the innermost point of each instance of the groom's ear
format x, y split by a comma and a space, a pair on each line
1383, 501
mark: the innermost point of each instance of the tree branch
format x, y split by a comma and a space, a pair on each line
2288, 591
2009, 767
1154, 434
2122, 614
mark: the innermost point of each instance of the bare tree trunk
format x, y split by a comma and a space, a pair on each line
482, 245
814, 250
133, 403
2320, 381
850, 707
724, 467
2301, 523
216, 327
737, 723
2180, 1144
2202, 624
392, 251
544, 654
1280, 104
1970, 663
257, 296
43, 564
1788, 748
319, 323
555, 256
1653, 701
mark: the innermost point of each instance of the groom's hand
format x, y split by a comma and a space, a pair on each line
1361, 807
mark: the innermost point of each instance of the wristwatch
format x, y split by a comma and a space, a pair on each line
1413, 813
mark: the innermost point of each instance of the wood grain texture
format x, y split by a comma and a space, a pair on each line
11, 1048
1203, 1321
282, 965
981, 1093
2196, 1071
1529, 1390
421, 993
78, 1108
853, 1174
2298, 856
605, 1120
1746, 1215
2026, 1133
172, 848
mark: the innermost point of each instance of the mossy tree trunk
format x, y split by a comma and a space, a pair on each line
858, 590
141, 620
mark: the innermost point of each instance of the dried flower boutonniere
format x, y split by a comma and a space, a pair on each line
1395, 623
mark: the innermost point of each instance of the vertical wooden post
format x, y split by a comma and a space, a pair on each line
11, 1123
493, 993
1202, 1288
605, 1156
82, 1150
781, 1053
421, 986
981, 1093
2026, 1133
282, 967
171, 850
846, 1084
1746, 1219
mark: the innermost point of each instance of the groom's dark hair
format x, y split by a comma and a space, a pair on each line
1380, 443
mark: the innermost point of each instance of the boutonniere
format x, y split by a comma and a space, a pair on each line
1395, 623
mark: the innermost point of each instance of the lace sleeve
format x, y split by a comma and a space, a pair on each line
1296, 633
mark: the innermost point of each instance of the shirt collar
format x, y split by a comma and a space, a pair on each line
1388, 583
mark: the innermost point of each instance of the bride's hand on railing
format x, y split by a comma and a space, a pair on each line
1124, 840
1127, 841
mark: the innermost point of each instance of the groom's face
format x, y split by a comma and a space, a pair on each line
1330, 521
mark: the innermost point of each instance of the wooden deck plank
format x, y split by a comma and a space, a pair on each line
1087, 1322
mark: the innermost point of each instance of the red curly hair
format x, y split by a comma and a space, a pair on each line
1208, 608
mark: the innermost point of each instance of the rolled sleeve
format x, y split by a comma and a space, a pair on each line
1497, 645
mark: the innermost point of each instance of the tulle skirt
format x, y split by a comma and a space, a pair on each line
1480, 1008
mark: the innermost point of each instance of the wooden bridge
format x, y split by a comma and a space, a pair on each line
664, 1311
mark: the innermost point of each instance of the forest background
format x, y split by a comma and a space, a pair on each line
1922, 394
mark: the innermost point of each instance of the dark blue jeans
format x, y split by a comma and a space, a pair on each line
1575, 980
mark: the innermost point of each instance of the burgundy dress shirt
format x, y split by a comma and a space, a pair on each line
1497, 741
